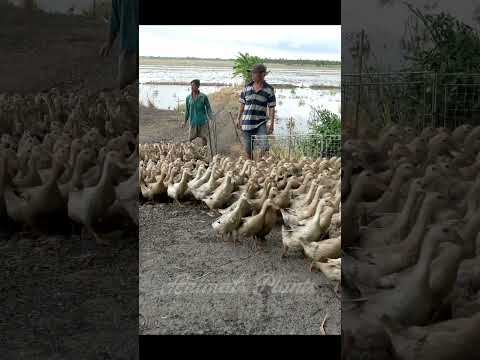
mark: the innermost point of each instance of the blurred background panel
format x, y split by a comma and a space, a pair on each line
410, 179
68, 191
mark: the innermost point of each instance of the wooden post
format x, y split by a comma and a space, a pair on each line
360, 66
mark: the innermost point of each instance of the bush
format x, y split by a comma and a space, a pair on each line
321, 122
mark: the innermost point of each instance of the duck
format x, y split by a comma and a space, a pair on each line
331, 268
310, 230
177, 190
296, 215
228, 223
83, 161
412, 299
88, 205
321, 250
252, 225
222, 194
31, 206
450, 339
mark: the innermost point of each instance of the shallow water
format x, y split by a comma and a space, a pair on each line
295, 103
297, 77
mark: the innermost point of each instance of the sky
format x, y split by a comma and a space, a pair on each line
320, 42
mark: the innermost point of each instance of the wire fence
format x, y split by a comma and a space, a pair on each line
296, 146
416, 99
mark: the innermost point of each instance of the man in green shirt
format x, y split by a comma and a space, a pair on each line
124, 22
197, 112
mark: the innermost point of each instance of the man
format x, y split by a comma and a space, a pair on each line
124, 21
255, 98
197, 112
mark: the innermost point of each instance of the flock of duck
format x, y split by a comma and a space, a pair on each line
251, 197
411, 244
69, 156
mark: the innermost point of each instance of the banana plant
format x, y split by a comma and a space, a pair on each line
242, 64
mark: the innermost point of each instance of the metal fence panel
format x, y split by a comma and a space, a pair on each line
417, 99
297, 146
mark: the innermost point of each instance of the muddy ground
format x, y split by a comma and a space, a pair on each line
191, 282
54, 304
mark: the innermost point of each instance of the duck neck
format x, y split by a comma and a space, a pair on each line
77, 170
403, 220
325, 220
106, 178
244, 169
396, 183
56, 173
3, 173
354, 198
418, 229
264, 208
426, 255
470, 231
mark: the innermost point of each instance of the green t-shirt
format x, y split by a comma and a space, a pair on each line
124, 22
197, 110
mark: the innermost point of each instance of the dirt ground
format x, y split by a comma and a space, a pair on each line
229, 290
52, 50
164, 125
55, 305
191, 282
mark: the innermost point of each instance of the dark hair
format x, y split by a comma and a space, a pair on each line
196, 82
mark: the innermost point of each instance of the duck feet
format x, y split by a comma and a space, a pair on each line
178, 203
88, 241
310, 268
285, 250
212, 214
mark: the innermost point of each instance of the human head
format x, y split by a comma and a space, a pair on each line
195, 84
258, 72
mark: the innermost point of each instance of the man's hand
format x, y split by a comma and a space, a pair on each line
182, 125
237, 123
106, 48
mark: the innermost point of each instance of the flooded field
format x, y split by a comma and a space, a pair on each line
295, 102
285, 76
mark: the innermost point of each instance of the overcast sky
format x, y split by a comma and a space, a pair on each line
290, 42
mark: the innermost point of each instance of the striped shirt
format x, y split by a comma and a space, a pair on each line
256, 103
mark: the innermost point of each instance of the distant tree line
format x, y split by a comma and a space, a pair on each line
265, 60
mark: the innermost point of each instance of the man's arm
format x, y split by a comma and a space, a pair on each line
187, 112
208, 107
242, 108
240, 113
114, 28
271, 111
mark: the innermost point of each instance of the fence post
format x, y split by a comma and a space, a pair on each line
434, 100
360, 66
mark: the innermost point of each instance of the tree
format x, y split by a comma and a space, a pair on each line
242, 64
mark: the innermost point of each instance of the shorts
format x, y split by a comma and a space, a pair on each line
247, 138
198, 131
127, 68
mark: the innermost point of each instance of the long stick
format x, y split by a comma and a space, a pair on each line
209, 138
233, 122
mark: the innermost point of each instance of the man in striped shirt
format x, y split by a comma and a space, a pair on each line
255, 99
